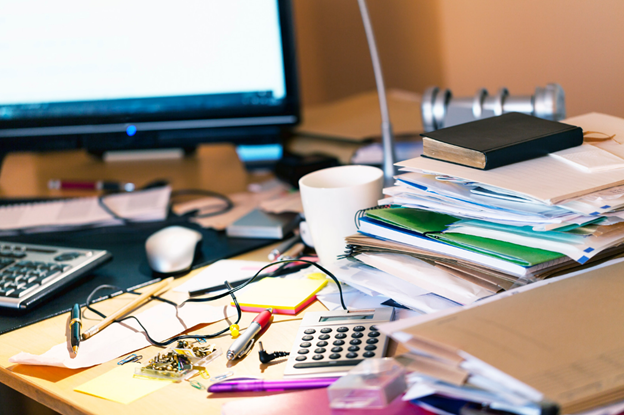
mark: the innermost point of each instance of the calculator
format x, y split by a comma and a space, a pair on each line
330, 343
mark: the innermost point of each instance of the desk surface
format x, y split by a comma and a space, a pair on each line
214, 167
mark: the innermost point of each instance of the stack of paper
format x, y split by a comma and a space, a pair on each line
494, 229
552, 344
146, 205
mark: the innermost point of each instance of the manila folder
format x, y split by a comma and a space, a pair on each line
565, 338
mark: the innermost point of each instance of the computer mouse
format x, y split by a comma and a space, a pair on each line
172, 249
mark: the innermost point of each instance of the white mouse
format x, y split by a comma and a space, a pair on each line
172, 249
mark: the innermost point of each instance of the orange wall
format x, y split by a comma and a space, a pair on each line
467, 44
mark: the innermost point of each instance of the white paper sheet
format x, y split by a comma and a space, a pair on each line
147, 205
162, 322
375, 283
225, 269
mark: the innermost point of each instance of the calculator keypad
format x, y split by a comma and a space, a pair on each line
336, 347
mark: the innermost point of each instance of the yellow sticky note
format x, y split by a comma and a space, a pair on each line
284, 296
119, 385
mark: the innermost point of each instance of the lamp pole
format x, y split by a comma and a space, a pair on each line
387, 137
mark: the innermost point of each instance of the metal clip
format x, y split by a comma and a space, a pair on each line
221, 377
197, 385
131, 358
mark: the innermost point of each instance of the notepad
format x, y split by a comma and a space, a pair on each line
119, 385
284, 296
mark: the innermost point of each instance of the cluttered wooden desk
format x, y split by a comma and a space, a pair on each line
214, 167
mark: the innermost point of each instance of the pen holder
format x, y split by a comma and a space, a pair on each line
374, 383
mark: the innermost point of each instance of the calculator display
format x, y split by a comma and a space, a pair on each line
347, 317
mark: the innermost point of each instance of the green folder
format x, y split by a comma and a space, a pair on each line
432, 224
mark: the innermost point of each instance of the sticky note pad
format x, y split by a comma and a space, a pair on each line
285, 296
119, 385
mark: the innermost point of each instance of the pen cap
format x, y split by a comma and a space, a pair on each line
264, 317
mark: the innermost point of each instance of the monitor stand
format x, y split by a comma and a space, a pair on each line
151, 154
214, 167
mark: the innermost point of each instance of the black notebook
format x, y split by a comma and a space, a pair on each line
499, 141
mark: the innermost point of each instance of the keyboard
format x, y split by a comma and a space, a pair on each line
31, 273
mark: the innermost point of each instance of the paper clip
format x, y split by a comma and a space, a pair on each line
197, 385
221, 377
132, 358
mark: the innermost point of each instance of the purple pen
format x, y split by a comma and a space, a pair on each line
270, 385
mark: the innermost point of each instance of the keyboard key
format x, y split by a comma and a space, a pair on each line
310, 331
353, 348
357, 335
336, 349
307, 338
342, 329
326, 330
341, 336
305, 344
317, 357
320, 350
338, 342
324, 337
334, 356
372, 341
370, 347
368, 354
303, 351
300, 358
322, 343
359, 328
355, 342
373, 334
351, 355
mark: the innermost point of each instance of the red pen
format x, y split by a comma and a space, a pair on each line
90, 185
243, 344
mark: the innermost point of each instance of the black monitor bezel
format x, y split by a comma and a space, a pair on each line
262, 124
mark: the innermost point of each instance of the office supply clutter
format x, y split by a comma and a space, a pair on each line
332, 342
501, 140
33, 273
243, 344
552, 344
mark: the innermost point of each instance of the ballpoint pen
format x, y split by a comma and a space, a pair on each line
134, 304
283, 247
293, 252
243, 344
90, 185
75, 324
270, 385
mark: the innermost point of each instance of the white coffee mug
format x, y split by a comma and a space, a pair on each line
331, 197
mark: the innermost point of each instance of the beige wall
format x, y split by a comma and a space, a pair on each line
467, 44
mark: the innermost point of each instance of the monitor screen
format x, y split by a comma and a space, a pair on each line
145, 74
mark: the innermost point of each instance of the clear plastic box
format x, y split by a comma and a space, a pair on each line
374, 383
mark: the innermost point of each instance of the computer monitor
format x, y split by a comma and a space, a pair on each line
138, 74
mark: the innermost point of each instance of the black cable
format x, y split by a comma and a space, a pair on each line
184, 192
230, 292
252, 279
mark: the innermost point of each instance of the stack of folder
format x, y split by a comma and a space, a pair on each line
552, 347
497, 229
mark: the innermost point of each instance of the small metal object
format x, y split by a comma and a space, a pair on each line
197, 385
131, 358
439, 109
222, 376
